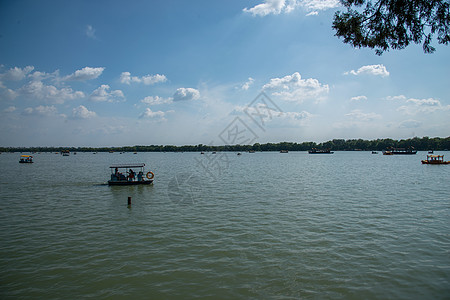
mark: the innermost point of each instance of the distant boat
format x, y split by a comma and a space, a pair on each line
65, 152
26, 159
251, 151
402, 151
430, 151
374, 152
318, 151
239, 153
284, 151
435, 160
387, 152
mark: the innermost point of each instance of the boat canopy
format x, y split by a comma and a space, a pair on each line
26, 156
128, 166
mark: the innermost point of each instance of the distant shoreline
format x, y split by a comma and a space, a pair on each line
420, 144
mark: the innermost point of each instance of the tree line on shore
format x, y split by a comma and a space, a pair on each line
420, 144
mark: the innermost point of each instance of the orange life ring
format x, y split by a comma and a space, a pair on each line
150, 175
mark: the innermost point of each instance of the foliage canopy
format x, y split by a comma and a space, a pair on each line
421, 144
393, 24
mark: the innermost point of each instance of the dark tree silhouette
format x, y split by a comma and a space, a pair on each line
393, 24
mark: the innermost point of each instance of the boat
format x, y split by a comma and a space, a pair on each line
65, 152
125, 175
435, 160
284, 151
398, 151
320, 151
430, 151
26, 159
251, 151
374, 152
388, 152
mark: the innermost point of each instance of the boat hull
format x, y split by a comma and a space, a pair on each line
145, 182
404, 153
426, 162
318, 152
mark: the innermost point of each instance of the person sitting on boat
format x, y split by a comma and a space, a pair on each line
115, 176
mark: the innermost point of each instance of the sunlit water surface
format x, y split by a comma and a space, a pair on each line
351, 225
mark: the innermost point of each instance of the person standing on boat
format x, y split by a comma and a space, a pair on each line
131, 175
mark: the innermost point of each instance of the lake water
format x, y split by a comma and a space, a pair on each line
351, 225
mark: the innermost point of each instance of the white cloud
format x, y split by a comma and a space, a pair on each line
152, 79
396, 98
39, 76
149, 114
376, 70
358, 98
272, 118
86, 73
358, 115
186, 94
260, 110
318, 5
430, 102
313, 13
277, 7
293, 118
102, 94
49, 93
294, 88
296, 115
247, 85
10, 109
126, 78
415, 106
81, 112
155, 100
16, 74
266, 8
90, 32
8, 94
410, 124
41, 110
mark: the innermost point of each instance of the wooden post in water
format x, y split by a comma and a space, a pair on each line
129, 201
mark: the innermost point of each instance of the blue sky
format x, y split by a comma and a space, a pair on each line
116, 73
